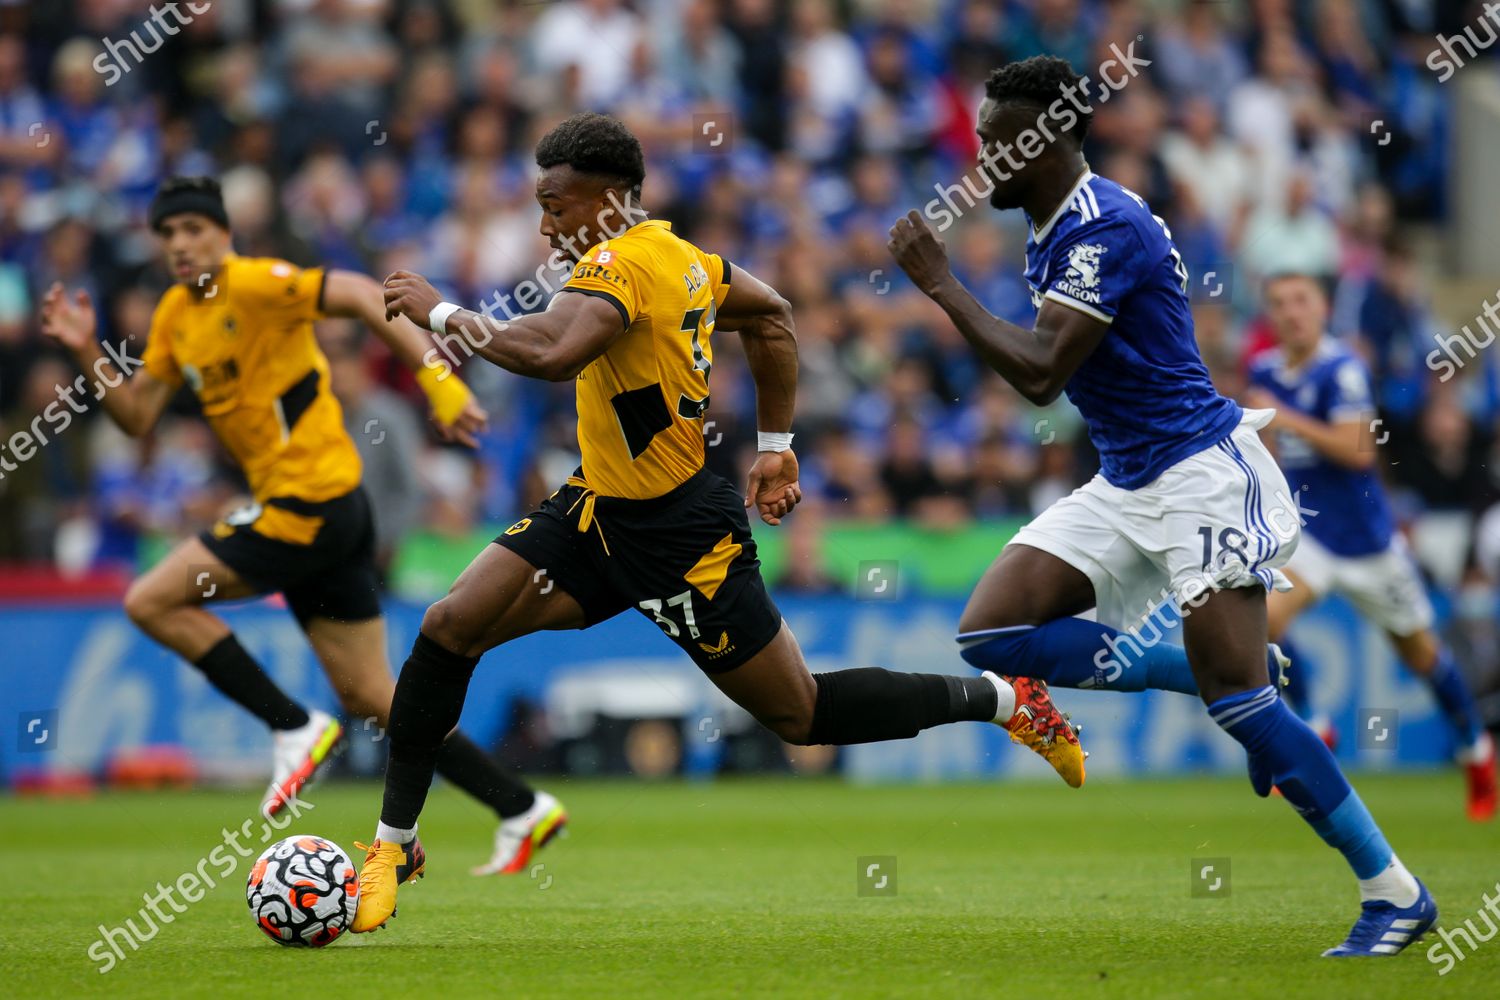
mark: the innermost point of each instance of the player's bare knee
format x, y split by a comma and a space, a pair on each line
444, 626
144, 605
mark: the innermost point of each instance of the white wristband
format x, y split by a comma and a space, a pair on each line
773, 440
437, 320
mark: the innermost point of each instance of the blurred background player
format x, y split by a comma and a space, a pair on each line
238, 332
1325, 437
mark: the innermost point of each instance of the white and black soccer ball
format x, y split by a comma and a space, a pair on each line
302, 892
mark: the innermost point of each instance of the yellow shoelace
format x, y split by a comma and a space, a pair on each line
373, 858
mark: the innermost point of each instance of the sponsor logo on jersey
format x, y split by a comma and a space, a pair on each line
591, 270
1081, 280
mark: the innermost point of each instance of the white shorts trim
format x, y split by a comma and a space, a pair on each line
1224, 517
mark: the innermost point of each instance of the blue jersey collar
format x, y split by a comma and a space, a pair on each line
1037, 235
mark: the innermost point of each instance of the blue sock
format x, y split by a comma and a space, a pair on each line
1299, 678
1305, 771
1073, 653
1456, 699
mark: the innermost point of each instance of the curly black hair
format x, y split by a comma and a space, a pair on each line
1040, 81
592, 143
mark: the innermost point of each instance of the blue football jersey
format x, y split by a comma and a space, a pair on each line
1353, 517
1144, 393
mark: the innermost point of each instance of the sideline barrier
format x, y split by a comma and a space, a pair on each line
98, 687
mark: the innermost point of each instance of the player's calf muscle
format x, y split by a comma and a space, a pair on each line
368, 698
790, 723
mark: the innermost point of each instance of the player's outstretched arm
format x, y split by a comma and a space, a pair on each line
763, 319
454, 410
1039, 361
554, 345
135, 403
1344, 442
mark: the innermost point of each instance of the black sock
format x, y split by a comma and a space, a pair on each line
464, 762
237, 676
871, 704
428, 701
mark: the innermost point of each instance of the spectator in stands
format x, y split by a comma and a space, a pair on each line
1199, 156
1395, 330
1290, 234
50, 480
380, 135
595, 38
1449, 467
1055, 28
1197, 59
27, 141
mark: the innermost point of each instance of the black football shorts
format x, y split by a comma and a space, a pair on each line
320, 556
685, 560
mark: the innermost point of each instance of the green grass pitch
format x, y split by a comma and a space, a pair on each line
752, 888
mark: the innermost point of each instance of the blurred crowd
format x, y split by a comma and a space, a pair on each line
786, 135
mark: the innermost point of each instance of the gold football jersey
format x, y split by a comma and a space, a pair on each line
246, 349
641, 404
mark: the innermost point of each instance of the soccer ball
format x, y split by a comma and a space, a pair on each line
302, 892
